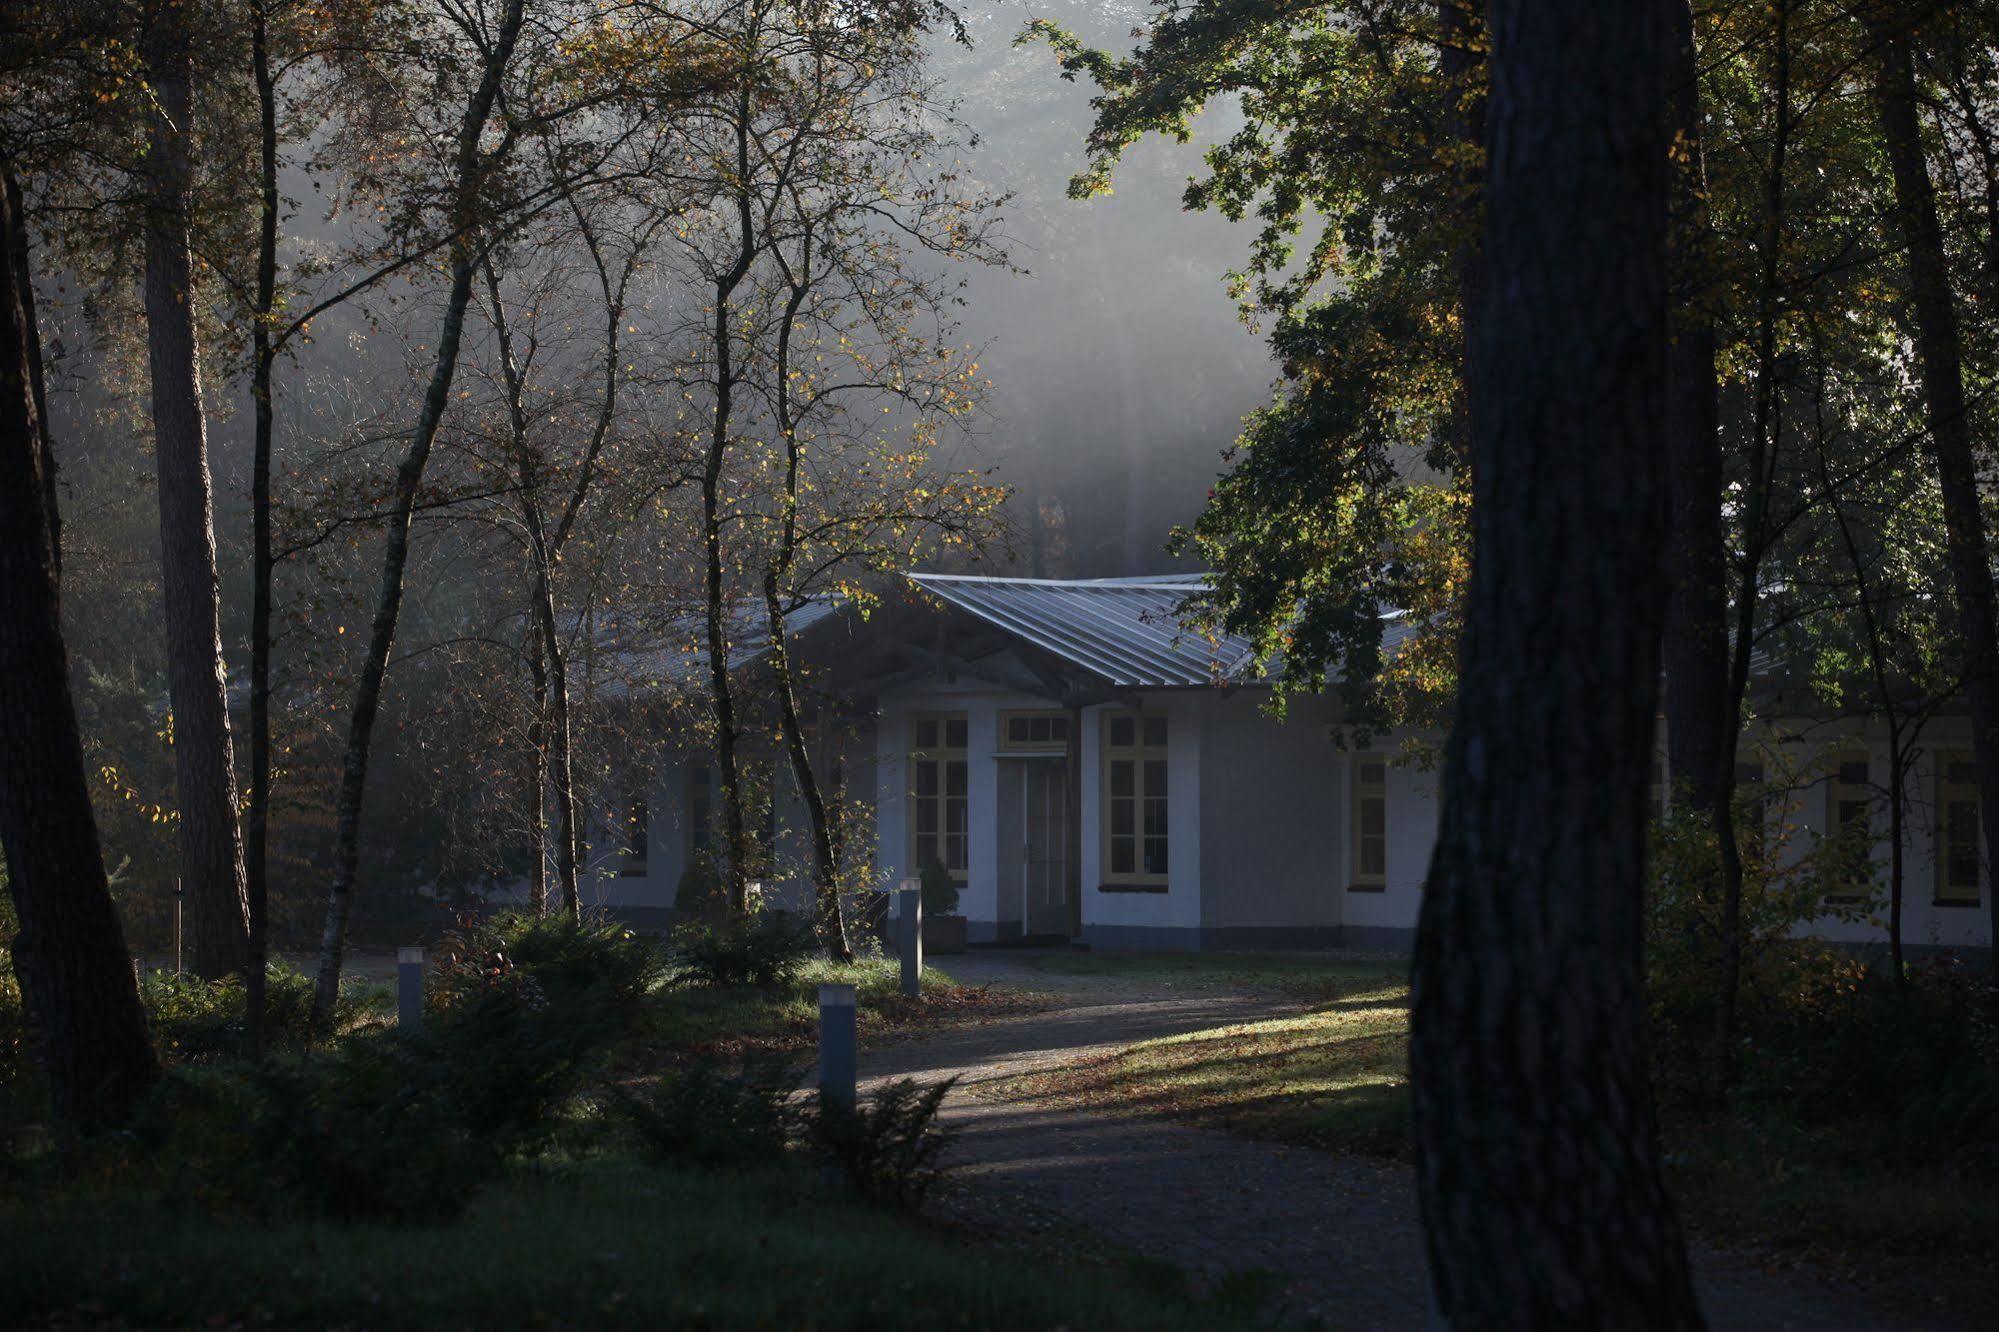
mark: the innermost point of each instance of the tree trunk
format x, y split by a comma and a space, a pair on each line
1538, 1155
538, 782
825, 860
395, 555
76, 979
257, 822
211, 848
1696, 644
1950, 443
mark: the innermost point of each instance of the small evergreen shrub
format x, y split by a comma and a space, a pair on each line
198, 1021
766, 950
709, 1115
585, 961
890, 1149
940, 891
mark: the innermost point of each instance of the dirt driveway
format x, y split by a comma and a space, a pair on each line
1337, 1234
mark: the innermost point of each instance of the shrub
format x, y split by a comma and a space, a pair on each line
709, 1115
766, 949
940, 891
700, 891
889, 1150
596, 962
198, 1021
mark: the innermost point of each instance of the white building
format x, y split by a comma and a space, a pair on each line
1089, 769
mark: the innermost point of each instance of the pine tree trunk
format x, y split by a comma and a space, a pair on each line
1538, 1156
69, 955
211, 848
1950, 444
1696, 644
395, 554
257, 820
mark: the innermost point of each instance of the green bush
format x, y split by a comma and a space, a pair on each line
1789, 877
198, 1021
709, 1115
584, 960
940, 891
766, 950
890, 1149
701, 891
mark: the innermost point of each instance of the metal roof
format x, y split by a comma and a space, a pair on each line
1129, 631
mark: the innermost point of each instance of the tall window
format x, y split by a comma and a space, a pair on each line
1135, 798
636, 836
1849, 808
1958, 841
700, 810
1368, 820
938, 780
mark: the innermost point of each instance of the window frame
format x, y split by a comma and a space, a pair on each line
1007, 745
943, 754
1359, 880
1838, 794
1139, 754
1946, 788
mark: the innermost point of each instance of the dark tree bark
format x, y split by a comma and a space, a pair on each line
1538, 1157
263, 356
1939, 355
469, 171
537, 800
211, 847
1696, 644
715, 605
69, 955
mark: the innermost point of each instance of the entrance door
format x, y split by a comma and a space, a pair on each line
1044, 804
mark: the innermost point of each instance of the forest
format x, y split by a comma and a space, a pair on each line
424, 419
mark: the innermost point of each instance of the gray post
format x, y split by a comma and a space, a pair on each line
839, 1045
909, 936
409, 988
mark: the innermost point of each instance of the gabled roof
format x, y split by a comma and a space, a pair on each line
1128, 631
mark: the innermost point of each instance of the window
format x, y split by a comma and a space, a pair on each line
700, 811
637, 842
938, 779
1046, 732
1959, 848
1135, 796
1849, 809
1368, 823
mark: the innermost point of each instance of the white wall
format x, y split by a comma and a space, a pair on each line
1412, 835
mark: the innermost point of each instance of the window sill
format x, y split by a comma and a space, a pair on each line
1131, 887
1959, 904
1367, 887
633, 872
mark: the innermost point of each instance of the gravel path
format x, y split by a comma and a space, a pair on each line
1338, 1233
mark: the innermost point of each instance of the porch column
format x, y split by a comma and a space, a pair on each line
1072, 821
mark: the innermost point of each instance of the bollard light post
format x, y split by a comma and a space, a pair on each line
409, 988
839, 1045
909, 935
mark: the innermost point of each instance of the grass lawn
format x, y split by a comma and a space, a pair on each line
705, 1020
1335, 1077
1302, 975
597, 1243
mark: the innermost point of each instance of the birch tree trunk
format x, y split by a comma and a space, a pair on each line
211, 848
468, 174
1538, 1156
76, 979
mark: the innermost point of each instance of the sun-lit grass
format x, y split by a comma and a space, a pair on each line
1334, 1076
604, 1243
1303, 975
703, 1019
